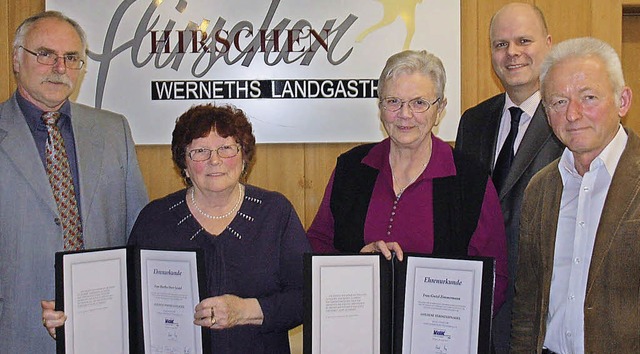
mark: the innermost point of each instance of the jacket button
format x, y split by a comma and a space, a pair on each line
57, 221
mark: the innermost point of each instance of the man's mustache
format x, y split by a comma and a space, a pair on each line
58, 79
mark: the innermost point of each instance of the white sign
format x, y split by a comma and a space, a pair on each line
303, 71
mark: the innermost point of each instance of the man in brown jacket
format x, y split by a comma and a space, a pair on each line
578, 280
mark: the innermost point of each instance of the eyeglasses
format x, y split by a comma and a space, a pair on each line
416, 105
71, 61
204, 154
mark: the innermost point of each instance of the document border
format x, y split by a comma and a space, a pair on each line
133, 298
482, 271
393, 287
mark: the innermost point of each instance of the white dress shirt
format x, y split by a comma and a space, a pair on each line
580, 209
528, 107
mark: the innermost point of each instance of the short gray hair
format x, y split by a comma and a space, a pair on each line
414, 61
25, 27
586, 47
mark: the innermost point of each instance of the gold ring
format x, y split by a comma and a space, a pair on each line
213, 318
44, 322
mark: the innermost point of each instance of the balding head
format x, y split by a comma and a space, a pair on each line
520, 8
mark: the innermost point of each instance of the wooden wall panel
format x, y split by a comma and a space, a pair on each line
12, 12
470, 54
486, 81
631, 65
5, 51
157, 170
280, 167
606, 22
320, 160
567, 18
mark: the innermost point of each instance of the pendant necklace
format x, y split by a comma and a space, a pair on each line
401, 190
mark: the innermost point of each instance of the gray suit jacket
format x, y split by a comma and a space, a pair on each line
612, 303
477, 136
112, 193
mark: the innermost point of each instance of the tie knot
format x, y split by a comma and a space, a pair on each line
516, 112
50, 118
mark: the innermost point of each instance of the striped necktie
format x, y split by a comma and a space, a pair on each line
61, 180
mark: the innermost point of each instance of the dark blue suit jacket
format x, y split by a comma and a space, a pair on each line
477, 136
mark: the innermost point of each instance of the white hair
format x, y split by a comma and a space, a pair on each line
581, 48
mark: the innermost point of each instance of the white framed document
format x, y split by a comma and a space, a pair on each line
95, 300
442, 306
346, 298
169, 289
129, 300
424, 304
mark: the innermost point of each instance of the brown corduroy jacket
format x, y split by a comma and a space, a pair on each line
612, 304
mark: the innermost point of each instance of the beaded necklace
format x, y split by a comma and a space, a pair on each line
226, 215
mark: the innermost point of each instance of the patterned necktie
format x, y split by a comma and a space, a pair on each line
61, 180
505, 158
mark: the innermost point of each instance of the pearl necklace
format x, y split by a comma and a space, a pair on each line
401, 190
208, 216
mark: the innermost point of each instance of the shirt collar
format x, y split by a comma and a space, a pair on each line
609, 157
440, 165
32, 113
529, 106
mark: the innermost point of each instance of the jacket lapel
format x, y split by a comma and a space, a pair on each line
624, 189
89, 152
533, 141
490, 131
16, 141
550, 214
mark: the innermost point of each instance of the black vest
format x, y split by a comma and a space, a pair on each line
457, 201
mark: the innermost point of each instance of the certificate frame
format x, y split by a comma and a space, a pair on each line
102, 292
393, 292
461, 318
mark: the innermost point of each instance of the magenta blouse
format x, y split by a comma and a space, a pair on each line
400, 219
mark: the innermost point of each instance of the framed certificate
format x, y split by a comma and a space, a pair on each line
424, 304
129, 300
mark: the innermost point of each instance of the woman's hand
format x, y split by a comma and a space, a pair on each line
51, 318
385, 248
228, 311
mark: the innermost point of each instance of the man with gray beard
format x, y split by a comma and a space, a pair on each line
70, 177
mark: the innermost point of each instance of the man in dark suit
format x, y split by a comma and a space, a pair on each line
578, 269
519, 42
108, 191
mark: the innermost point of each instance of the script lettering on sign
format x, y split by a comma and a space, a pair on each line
279, 43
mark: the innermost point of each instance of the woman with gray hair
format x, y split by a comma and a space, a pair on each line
411, 192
